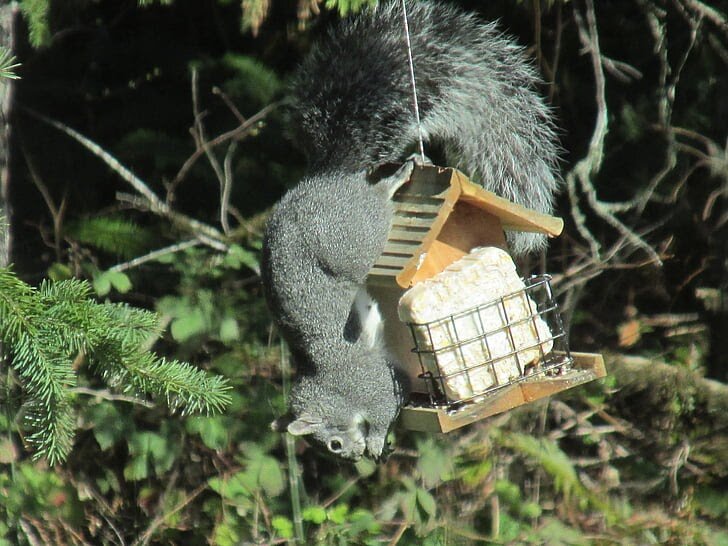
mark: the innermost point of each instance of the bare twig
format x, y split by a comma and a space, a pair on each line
333, 498
205, 233
295, 483
159, 520
622, 71
712, 14
152, 202
559, 31
593, 160
219, 92
107, 395
104, 509
238, 133
57, 213
29, 534
155, 254
399, 533
201, 141
580, 177
227, 185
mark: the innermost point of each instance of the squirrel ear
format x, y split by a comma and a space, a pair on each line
306, 424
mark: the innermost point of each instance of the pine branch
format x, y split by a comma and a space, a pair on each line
45, 329
112, 234
36, 15
8, 64
38, 357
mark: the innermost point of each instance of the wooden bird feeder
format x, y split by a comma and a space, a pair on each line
440, 216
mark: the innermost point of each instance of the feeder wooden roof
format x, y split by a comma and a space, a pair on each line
424, 222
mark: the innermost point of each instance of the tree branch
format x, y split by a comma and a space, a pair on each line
149, 198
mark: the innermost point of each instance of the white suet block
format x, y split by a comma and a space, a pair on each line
472, 345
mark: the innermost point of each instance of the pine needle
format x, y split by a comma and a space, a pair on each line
45, 329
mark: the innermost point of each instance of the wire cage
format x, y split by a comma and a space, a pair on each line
470, 355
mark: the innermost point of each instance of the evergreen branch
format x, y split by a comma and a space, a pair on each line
129, 326
234, 134
67, 317
53, 426
8, 64
44, 329
112, 234
182, 385
15, 298
185, 386
155, 254
24, 329
36, 15
41, 359
45, 375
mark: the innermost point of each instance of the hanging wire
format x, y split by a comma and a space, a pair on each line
412, 81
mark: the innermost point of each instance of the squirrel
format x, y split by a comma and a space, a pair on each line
353, 107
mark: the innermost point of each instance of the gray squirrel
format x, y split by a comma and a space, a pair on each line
353, 108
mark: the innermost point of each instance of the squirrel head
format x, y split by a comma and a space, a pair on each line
345, 440
334, 423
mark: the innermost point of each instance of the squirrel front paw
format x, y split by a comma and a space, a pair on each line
377, 446
420, 160
392, 183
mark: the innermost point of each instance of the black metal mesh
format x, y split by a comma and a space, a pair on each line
473, 353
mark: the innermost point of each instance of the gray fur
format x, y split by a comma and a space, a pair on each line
320, 243
354, 113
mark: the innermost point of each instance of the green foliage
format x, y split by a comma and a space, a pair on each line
106, 280
114, 235
584, 471
46, 330
436, 464
8, 64
31, 489
201, 310
340, 524
151, 451
713, 503
262, 474
347, 7
153, 150
415, 503
261, 477
36, 15
556, 464
252, 81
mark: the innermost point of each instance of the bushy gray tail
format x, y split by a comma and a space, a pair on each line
477, 98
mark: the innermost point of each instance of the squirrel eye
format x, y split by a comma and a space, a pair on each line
335, 446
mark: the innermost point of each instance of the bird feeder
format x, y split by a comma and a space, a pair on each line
491, 350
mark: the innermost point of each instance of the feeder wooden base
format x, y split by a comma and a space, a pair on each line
587, 367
